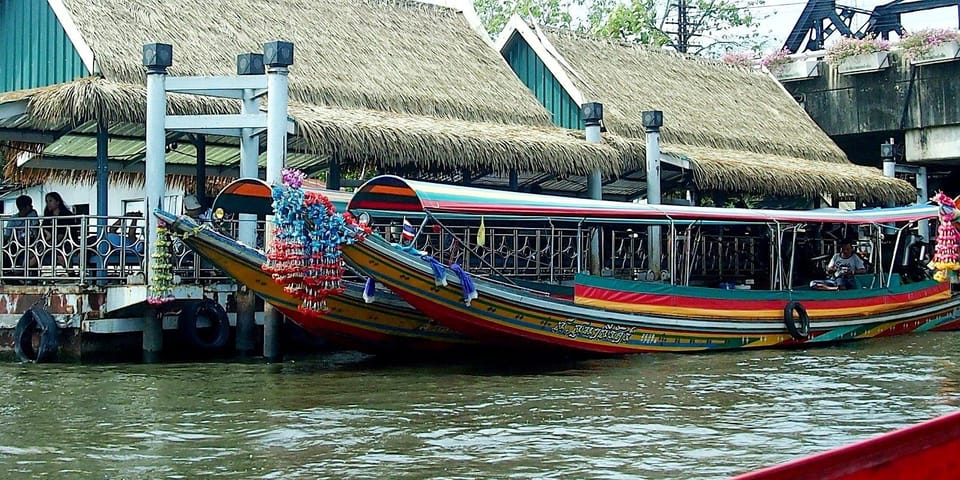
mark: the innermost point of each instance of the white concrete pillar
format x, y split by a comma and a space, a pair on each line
652, 121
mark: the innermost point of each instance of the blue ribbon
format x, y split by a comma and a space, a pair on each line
439, 271
370, 290
469, 289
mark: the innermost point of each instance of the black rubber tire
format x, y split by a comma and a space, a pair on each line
29, 323
187, 325
798, 330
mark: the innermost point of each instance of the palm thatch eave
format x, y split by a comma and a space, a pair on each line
347, 136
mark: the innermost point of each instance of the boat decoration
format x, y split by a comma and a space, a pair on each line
947, 257
305, 254
389, 325
161, 280
617, 311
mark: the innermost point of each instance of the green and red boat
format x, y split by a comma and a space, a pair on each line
627, 310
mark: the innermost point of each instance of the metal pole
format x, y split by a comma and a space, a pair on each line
277, 56
514, 180
103, 172
592, 114
652, 121
333, 175
923, 195
156, 57
248, 64
200, 143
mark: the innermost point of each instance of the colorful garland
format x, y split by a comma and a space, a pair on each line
305, 254
946, 256
161, 279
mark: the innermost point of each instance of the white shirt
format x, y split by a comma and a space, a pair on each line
854, 263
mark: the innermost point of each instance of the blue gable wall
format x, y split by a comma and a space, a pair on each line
34, 48
535, 75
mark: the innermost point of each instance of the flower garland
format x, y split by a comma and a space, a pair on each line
161, 279
286, 258
305, 255
946, 257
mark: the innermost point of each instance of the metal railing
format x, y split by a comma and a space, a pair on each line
87, 250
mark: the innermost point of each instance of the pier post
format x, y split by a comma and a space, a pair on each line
277, 56
248, 64
157, 57
103, 171
652, 121
592, 113
922, 197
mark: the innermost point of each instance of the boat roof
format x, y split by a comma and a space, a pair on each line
391, 193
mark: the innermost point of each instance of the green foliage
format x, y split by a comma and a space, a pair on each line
714, 26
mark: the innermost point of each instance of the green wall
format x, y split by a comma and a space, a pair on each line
534, 74
34, 49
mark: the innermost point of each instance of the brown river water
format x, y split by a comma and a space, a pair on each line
345, 415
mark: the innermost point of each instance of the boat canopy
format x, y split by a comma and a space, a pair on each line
391, 193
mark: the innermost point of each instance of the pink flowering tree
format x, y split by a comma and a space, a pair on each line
740, 59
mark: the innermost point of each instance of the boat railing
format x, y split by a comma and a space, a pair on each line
87, 250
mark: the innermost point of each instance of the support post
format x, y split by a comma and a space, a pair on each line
200, 144
157, 57
103, 172
652, 121
592, 114
514, 180
923, 196
277, 56
887, 151
248, 64
333, 175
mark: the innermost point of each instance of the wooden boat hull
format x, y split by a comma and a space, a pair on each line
386, 325
927, 450
508, 315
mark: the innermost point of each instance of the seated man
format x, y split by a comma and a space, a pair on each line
845, 264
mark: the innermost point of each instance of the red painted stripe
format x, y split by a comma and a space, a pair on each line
599, 293
389, 206
928, 450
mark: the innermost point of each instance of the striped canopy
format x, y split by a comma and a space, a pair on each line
390, 193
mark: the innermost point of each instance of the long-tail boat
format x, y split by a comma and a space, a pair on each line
624, 310
927, 450
389, 325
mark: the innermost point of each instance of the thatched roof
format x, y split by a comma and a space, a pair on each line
355, 135
739, 129
387, 82
390, 55
704, 102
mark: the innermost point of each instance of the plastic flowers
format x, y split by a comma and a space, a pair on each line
161, 279
946, 257
305, 254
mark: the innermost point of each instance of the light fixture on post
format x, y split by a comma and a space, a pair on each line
250, 64
652, 121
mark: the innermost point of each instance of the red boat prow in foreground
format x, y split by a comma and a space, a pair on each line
930, 450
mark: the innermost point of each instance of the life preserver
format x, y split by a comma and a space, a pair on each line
219, 325
32, 321
800, 328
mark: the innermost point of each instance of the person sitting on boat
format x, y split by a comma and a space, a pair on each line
845, 264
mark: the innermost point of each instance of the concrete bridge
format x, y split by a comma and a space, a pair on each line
918, 106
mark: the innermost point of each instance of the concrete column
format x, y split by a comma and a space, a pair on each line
592, 114
200, 143
277, 56
923, 196
157, 57
652, 121
248, 64
103, 171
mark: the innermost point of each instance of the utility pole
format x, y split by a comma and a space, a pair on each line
683, 34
